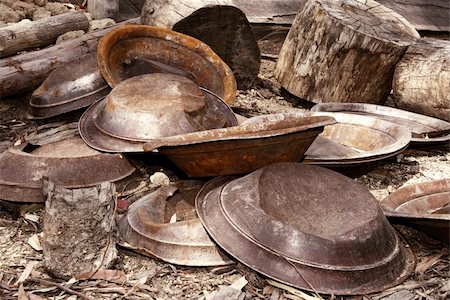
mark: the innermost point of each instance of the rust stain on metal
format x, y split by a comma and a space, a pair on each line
240, 149
70, 162
72, 86
308, 227
147, 227
423, 205
139, 49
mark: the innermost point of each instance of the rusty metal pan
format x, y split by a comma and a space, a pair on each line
152, 106
132, 50
426, 206
425, 130
353, 145
72, 86
290, 222
240, 149
69, 162
164, 224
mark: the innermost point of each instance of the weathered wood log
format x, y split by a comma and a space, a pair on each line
343, 51
422, 79
79, 227
101, 9
270, 11
25, 72
29, 35
423, 14
219, 24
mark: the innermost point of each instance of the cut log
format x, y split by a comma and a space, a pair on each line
280, 12
33, 34
343, 51
423, 14
422, 79
101, 9
79, 227
25, 72
223, 27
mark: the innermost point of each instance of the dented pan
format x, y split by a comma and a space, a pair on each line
164, 224
425, 130
240, 149
308, 227
69, 162
152, 106
132, 50
74, 85
426, 206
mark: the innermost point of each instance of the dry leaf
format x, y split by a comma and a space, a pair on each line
22, 295
239, 284
35, 243
35, 297
26, 273
31, 217
173, 218
116, 276
293, 291
427, 262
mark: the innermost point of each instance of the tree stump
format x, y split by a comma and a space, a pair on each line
422, 79
79, 226
343, 51
28, 35
223, 27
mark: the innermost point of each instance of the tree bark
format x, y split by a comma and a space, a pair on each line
219, 24
24, 72
29, 35
422, 79
101, 9
79, 227
423, 14
343, 51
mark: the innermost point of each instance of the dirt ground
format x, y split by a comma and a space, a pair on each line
147, 278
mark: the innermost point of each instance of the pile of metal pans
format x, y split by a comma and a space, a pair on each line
306, 226
72, 86
164, 224
138, 49
152, 106
425, 205
240, 149
425, 130
69, 162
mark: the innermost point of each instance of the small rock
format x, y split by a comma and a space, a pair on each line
56, 8
69, 36
159, 179
40, 13
100, 24
8, 15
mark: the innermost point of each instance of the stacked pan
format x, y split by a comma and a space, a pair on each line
306, 226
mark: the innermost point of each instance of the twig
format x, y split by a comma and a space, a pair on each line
269, 56
59, 286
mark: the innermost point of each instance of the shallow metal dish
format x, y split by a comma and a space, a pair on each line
70, 162
426, 206
425, 130
132, 50
72, 86
240, 149
308, 227
152, 106
147, 227
353, 145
